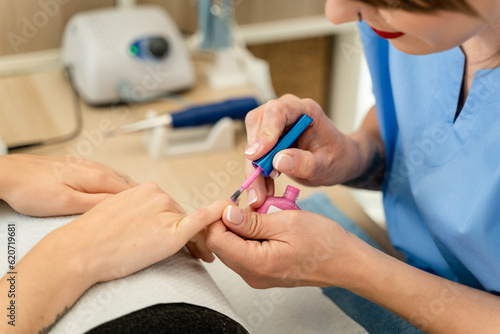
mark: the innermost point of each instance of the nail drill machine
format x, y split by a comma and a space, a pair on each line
125, 54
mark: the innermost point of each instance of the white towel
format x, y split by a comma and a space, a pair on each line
180, 278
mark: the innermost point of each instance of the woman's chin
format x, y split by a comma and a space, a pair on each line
417, 47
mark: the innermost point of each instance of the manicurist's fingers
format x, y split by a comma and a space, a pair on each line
297, 163
253, 225
200, 251
266, 124
256, 192
198, 247
233, 250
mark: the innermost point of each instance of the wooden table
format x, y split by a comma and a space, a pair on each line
41, 105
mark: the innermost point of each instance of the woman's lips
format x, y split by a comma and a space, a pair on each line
388, 35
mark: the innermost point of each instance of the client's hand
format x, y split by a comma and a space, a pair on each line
119, 236
197, 246
135, 229
53, 186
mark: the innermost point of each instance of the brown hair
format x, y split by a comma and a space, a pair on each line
425, 6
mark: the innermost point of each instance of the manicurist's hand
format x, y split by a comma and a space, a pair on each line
287, 248
294, 248
51, 186
119, 236
323, 156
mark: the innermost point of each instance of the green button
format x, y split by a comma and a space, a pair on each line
134, 50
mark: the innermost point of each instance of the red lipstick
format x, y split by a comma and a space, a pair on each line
388, 35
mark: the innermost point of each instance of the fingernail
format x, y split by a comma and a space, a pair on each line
285, 163
252, 149
274, 174
234, 215
252, 196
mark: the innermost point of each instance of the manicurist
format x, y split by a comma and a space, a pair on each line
431, 144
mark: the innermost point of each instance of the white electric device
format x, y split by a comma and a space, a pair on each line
126, 54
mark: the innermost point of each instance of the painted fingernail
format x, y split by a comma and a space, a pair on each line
252, 149
252, 196
234, 215
285, 163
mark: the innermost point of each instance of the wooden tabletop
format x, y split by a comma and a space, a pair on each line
41, 106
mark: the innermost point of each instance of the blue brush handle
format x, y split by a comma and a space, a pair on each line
285, 141
211, 113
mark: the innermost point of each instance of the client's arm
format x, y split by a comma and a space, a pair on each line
119, 236
51, 186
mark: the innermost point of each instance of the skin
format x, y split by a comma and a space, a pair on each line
50, 186
431, 33
292, 243
306, 249
302, 248
125, 227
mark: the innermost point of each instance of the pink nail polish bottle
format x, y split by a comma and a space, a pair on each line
276, 204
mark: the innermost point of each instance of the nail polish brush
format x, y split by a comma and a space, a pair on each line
264, 165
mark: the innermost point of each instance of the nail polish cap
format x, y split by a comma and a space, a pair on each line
291, 193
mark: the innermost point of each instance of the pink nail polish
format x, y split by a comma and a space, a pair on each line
276, 204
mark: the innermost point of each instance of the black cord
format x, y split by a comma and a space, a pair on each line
78, 116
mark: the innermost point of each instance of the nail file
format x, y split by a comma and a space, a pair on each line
193, 116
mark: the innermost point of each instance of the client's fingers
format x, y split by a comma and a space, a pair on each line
203, 217
199, 249
81, 202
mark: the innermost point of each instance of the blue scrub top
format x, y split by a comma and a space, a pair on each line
442, 183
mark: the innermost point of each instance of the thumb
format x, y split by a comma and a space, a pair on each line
251, 225
295, 162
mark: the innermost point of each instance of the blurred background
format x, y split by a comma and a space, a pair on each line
307, 55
